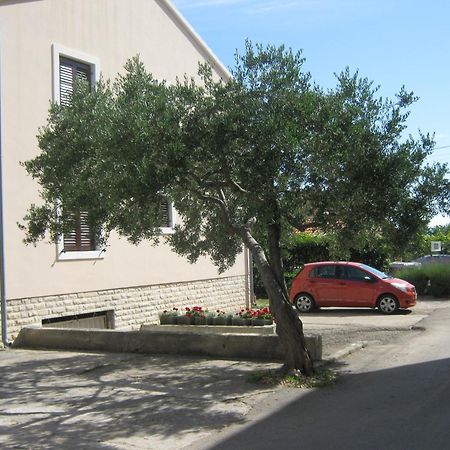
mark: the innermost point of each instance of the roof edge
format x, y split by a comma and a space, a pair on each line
195, 38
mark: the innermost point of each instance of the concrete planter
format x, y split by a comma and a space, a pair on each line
220, 320
199, 320
257, 322
165, 340
240, 321
186, 320
166, 319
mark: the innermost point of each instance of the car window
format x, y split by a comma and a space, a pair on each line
375, 272
356, 274
326, 271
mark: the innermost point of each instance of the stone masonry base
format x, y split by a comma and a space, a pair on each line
131, 306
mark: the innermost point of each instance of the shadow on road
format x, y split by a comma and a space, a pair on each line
377, 410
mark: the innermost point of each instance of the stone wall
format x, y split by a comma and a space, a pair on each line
132, 306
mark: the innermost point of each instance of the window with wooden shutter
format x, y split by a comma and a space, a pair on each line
166, 213
81, 238
70, 72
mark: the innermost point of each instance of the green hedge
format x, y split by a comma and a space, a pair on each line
431, 279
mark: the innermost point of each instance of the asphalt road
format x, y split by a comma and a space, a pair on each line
391, 396
385, 399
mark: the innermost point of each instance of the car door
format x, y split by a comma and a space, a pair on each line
358, 287
326, 285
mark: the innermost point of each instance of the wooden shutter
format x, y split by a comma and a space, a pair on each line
166, 214
69, 73
81, 238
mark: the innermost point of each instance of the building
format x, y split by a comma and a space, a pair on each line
44, 45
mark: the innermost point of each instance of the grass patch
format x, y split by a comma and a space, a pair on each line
262, 303
324, 376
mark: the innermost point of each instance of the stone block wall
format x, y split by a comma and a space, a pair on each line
132, 306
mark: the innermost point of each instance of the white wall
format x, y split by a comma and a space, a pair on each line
112, 31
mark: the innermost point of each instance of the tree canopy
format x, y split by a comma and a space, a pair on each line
243, 160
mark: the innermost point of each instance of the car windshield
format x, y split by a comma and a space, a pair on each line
375, 272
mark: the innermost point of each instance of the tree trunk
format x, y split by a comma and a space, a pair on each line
289, 327
275, 258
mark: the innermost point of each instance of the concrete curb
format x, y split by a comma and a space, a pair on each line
340, 354
218, 345
211, 329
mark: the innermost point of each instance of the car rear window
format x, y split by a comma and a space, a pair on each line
325, 271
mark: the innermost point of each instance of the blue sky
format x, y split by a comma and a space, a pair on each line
392, 42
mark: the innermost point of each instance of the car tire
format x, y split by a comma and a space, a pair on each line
387, 304
304, 303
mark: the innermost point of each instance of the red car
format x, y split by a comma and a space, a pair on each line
349, 284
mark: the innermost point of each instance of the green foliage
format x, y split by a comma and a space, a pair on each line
439, 275
431, 279
242, 160
421, 243
264, 150
415, 276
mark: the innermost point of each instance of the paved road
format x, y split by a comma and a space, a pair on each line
74, 400
392, 396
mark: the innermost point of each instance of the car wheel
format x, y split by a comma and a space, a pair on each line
304, 303
387, 304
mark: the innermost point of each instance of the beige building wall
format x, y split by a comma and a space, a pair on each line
109, 31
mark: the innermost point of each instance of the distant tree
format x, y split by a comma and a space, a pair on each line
243, 160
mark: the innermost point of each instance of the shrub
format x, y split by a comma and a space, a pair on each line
432, 279
415, 276
439, 276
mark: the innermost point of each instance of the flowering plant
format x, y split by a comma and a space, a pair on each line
195, 311
171, 313
263, 313
246, 313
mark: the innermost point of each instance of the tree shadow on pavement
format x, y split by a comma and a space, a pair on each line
384, 409
63, 400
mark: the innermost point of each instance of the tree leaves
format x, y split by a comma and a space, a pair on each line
266, 147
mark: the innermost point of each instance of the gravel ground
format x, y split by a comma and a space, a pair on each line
335, 341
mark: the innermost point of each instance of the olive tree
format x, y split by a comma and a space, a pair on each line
243, 160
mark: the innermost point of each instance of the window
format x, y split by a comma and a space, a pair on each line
355, 274
81, 238
328, 271
70, 66
70, 72
167, 217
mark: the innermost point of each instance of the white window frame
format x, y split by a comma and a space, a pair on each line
171, 229
94, 64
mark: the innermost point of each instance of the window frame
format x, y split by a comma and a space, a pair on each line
59, 51
171, 219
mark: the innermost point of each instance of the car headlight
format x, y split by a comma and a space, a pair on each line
400, 286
